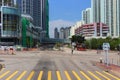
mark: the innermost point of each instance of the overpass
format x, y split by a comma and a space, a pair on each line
54, 41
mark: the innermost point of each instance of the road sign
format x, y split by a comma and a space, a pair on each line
106, 46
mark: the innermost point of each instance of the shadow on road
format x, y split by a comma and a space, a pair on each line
45, 64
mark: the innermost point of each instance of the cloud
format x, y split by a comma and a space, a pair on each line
58, 23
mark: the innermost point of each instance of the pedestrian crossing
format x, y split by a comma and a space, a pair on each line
56, 75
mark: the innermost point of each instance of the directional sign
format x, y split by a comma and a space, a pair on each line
106, 46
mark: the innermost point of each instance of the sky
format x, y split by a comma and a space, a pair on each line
65, 13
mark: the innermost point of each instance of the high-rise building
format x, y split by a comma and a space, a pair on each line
62, 33
9, 23
41, 15
56, 33
7, 3
118, 17
27, 7
67, 32
39, 11
107, 11
96, 14
86, 15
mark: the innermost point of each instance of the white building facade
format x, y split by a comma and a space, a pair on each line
108, 12
86, 16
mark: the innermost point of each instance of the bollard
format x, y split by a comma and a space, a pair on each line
100, 60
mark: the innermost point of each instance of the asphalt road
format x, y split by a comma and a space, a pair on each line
53, 65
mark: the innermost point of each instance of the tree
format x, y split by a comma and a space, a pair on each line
77, 39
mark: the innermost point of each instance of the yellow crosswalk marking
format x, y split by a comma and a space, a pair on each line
22, 74
31, 75
94, 75
40, 75
76, 75
67, 75
103, 75
12, 75
49, 75
4, 74
112, 75
58, 75
88, 78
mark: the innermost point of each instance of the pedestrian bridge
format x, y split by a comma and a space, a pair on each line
53, 41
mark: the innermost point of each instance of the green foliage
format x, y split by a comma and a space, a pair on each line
77, 39
57, 45
87, 43
95, 43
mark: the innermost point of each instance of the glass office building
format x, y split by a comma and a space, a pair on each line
9, 24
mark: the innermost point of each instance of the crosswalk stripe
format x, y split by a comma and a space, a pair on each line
22, 74
58, 75
111, 75
1, 76
12, 75
94, 75
49, 75
67, 75
88, 78
31, 75
103, 75
40, 75
76, 75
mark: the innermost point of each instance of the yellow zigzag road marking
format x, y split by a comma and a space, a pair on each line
111, 75
1, 76
31, 75
67, 75
76, 75
103, 75
22, 74
49, 75
58, 75
85, 75
12, 75
40, 75
94, 75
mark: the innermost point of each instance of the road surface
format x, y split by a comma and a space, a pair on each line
53, 65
